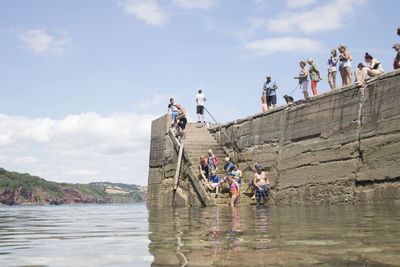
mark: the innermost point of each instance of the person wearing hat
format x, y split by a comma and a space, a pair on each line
270, 91
260, 180
396, 63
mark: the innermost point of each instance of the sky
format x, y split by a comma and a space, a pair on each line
81, 81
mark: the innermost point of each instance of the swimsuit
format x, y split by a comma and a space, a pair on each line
234, 189
344, 63
237, 173
262, 193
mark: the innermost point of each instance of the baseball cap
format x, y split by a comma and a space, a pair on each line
259, 166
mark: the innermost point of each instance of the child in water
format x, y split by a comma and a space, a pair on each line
235, 192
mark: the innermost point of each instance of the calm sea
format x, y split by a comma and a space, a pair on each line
131, 235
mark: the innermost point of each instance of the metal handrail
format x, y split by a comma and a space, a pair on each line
223, 131
235, 148
230, 140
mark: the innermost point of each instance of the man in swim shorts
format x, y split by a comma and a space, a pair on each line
260, 180
182, 120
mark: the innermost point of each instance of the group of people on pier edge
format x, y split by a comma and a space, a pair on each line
342, 63
208, 165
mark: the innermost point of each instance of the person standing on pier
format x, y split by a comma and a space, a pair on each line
345, 65
260, 180
303, 79
270, 89
200, 100
332, 62
174, 110
396, 63
314, 75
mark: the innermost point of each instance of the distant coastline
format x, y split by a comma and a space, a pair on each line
25, 189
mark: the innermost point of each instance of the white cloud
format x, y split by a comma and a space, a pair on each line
154, 101
25, 160
40, 42
146, 10
299, 3
330, 16
274, 45
194, 4
256, 23
79, 148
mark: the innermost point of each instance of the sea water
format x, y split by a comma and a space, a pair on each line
132, 235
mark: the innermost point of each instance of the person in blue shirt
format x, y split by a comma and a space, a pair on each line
270, 89
228, 167
214, 182
174, 111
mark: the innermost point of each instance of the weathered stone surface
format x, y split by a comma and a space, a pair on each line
157, 145
340, 146
381, 158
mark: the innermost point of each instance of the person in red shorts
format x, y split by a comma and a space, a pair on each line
314, 75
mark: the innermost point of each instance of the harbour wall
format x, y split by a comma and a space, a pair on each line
340, 146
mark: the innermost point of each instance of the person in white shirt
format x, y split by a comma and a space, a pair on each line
200, 99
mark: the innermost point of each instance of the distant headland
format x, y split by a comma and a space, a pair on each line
25, 189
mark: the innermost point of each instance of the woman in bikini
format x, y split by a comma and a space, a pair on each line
373, 69
235, 191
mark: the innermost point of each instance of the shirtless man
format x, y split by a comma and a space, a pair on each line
182, 120
260, 180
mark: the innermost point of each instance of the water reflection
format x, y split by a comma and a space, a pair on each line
85, 235
286, 236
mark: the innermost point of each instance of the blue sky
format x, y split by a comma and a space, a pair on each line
82, 80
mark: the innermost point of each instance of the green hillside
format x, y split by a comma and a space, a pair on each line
21, 188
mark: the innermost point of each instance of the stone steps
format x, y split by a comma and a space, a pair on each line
198, 141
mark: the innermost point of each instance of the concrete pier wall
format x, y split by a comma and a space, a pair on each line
340, 146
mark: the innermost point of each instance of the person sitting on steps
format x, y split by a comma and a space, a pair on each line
251, 185
203, 168
214, 183
237, 174
228, 167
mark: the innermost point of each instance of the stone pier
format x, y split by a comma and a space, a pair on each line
342, 146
